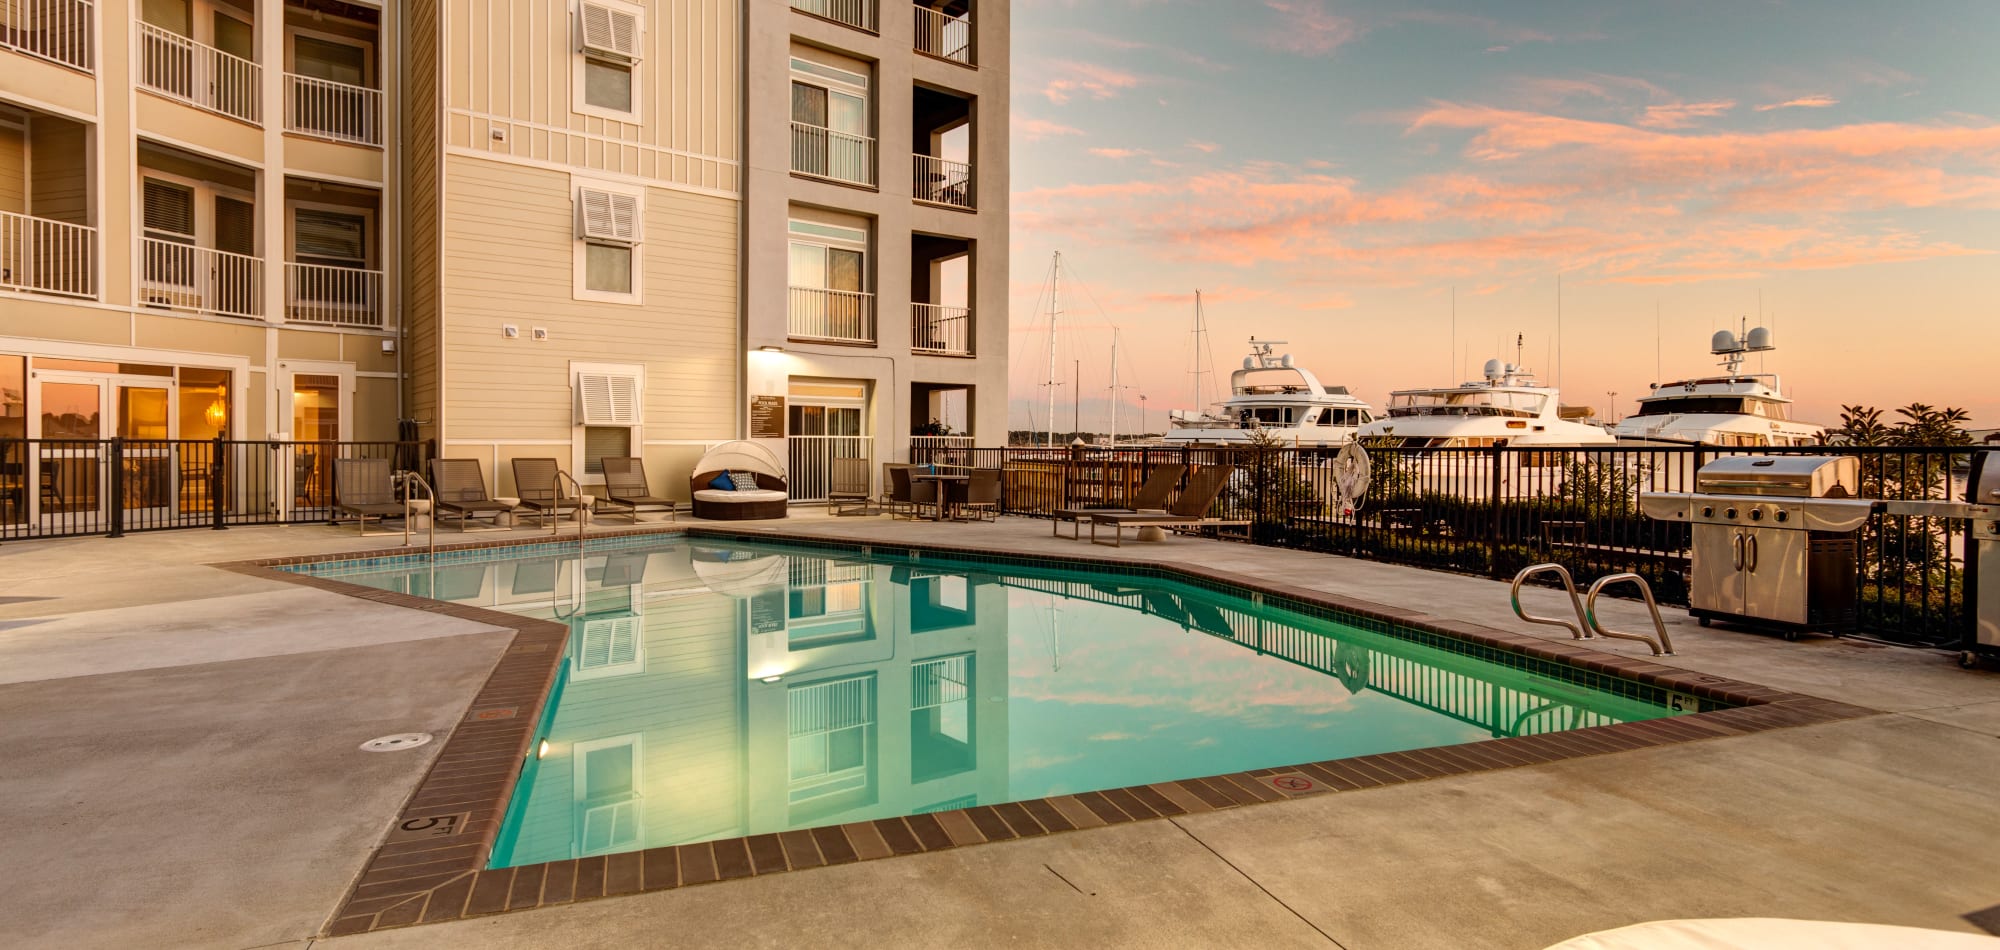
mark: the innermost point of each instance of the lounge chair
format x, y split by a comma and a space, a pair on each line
766, 498
1190, 510
541, 491
625, 487
365, 488
848, 486
1152, 497
909, 496
461, 488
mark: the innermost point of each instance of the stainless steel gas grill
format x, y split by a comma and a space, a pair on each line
1773, 540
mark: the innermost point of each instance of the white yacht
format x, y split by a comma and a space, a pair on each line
1731, 409
1273, 394
1508, 407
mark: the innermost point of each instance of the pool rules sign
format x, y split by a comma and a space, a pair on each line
767, 417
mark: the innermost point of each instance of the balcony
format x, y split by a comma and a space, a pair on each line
333, 296
945, 31
333, 110
202, 76
942, 181
859, 14
825, 153
940, 330
59, 31
838, 316
41, 256
176, 276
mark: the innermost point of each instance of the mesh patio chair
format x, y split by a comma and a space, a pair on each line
910, 496
1190, 510
982, 494
461, 488
625, 487
365, 488
848, 486
541, 491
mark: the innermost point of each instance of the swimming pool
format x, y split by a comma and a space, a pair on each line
717, 688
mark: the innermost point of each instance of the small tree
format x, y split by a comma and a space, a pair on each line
1910, 550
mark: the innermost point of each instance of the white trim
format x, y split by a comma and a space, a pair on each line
601, 174
282, 376
576, 435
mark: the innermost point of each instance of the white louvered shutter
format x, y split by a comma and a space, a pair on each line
608, 644
607, 216
169, 211
603, 399
610, 32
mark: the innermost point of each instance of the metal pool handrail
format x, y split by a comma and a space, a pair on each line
555, 524
430, 519
1663, 647
1577, 631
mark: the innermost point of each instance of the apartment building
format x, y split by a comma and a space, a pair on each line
877, 187
570, 228
196, 228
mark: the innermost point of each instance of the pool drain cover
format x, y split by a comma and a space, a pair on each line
397, 742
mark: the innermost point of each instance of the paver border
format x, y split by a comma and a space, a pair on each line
431, 865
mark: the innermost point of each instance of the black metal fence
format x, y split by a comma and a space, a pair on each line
53, 488
1495, 510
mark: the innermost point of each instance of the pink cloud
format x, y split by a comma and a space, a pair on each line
1087, 79
1802, 102
1680, 115
1116, 153
1209, 148
1307, 28
1035, 130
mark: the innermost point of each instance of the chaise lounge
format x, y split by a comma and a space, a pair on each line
366, 488
753, 490
1190, 510
1151, 498
461, 489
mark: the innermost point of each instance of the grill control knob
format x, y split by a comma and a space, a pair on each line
1708, 511
1756, 514
1729, 513
1783, 516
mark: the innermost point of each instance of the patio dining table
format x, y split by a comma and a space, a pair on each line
951, 490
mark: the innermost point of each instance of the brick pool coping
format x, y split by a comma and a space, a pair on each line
431, 864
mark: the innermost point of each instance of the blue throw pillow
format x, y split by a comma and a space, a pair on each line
723, 481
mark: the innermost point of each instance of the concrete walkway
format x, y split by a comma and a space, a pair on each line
179, 768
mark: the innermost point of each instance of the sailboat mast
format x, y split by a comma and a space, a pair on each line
1114, 387
1200, 332
1055, 307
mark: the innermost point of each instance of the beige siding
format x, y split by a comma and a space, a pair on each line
512, 262
13, 170
513, 67
61, 174
421, 196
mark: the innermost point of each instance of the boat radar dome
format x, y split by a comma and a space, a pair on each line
1759, 338
1494, 369
1724, 341
1249, 362
1285, 361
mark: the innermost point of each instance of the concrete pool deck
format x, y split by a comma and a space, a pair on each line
182, 771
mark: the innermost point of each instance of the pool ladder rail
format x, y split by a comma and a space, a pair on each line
1587, 626
430, 519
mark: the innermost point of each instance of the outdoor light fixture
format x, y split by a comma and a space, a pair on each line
770, 679
543, 750
771, 349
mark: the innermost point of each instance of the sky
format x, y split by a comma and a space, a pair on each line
1337, 173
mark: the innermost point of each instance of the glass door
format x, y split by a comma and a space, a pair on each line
144, 418
314, 404
68, 472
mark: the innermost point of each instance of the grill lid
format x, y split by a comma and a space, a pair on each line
1791, 476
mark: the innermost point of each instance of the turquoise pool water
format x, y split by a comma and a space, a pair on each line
716, 688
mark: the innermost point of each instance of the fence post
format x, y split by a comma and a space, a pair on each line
1493, 489
216, 482
117, 500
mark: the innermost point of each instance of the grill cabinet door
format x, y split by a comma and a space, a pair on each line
1717, 582
1774, 569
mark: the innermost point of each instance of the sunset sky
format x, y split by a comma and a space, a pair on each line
1326, 171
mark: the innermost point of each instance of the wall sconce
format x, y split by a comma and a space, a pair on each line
770, 349
216, 413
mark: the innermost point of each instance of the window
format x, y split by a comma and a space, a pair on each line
331, 238
605, 787
827, 270
607, 648
607, 415
608, 41
830, 123
169, 211
608, 235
